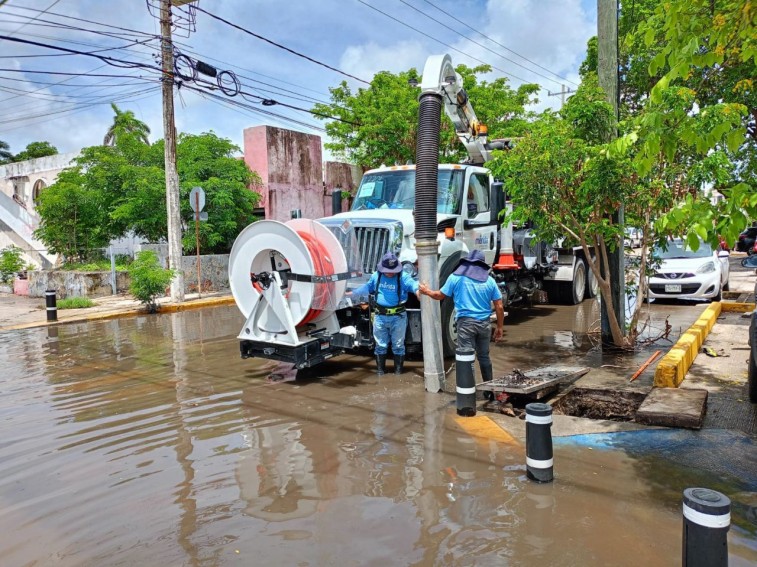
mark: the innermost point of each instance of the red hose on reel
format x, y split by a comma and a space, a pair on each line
323, 266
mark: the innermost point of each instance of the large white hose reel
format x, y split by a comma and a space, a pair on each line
284, 276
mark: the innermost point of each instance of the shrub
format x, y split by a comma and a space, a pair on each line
10, 263
74, 303
148, 279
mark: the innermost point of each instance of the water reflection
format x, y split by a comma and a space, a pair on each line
149, 441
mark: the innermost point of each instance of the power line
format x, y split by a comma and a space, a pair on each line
22, 26
443, 43
297, 53
496, 42
476, 42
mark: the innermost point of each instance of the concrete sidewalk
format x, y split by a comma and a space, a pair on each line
19, 312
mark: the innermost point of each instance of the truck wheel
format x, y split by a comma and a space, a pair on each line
592, 285
449, 328
573, 292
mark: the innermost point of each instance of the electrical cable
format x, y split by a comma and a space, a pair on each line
478, 43
497, 43
297, 53
35, 17
447, 44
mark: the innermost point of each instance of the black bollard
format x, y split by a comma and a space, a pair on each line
52, 305
466, 382
539, 462
706, 520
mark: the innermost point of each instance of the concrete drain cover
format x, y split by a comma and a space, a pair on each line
537, 382
673, 407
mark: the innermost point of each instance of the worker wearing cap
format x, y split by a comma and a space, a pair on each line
390, 285
473, 290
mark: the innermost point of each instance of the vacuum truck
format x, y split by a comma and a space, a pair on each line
290, 280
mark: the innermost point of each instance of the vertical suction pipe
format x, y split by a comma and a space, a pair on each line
427, 247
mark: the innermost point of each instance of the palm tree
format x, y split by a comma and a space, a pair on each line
124, 122
5, 155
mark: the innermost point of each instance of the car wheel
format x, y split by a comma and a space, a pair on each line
727, 285
719, 295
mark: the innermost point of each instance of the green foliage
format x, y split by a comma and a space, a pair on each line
379, 124
126, 125
697, 126
74, 303
98, 264
36, 150
11, 263
115, 190
149, 279
5, 154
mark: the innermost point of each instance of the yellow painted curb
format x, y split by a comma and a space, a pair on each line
734, 307
673, 367
484, 427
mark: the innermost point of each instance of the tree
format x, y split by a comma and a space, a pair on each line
5, 153
115, 190
124, 122
148, 279
378, 124
698, 125
36, 150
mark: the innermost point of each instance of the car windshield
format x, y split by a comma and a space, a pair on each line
395, 189
677, 249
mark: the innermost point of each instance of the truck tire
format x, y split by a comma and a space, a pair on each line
573, 292
449, 330
592, 285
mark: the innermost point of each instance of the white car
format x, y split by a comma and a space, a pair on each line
685, 274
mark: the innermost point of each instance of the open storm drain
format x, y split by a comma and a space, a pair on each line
599, 404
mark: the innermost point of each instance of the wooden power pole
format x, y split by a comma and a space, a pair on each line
169, 135
607, 71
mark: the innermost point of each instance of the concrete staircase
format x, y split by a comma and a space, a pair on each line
17, 227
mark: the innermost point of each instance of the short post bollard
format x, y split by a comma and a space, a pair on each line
539, 461
466, 382
706, 521
52, 305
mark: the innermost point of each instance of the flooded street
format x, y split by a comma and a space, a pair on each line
149, 441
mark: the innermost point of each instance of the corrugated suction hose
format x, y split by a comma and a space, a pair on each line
426, 170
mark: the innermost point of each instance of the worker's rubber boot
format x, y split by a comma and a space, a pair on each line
487, 374
399, 364
380, 364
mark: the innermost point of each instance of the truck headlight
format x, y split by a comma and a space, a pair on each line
707, 268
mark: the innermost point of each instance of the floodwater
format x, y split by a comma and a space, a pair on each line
148, 441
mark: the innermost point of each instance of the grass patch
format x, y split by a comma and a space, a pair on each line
98, 264
75, 303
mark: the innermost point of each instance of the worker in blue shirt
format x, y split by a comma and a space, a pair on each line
474, 291
390, 285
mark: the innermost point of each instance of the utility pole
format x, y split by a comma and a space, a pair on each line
169, 135
564, 91
607, 71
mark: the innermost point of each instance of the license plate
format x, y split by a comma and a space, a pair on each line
672, 288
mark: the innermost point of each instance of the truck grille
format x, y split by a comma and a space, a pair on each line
373, 243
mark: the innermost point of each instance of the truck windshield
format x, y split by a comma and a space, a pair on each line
396, 190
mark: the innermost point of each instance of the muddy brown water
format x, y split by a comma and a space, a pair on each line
148, 441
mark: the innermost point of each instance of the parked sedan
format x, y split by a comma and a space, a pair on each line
685, 274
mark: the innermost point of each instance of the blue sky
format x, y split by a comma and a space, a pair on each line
346, 34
